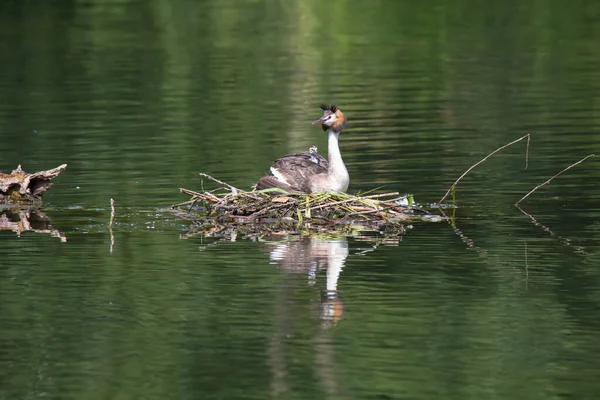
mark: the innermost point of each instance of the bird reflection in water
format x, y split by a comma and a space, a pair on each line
309, 255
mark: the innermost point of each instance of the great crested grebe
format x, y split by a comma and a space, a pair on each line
309, 172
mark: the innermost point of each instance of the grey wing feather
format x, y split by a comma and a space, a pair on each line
313, 162
297, 168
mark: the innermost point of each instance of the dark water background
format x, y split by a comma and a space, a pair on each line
139, 96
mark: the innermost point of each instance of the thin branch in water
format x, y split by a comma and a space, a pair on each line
548, 181
110, 224
112, 212
528, 136
193, 203
527, 151
185, 203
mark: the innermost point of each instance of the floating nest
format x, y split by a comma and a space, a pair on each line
226, 207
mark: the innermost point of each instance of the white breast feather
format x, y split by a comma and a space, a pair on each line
279, 176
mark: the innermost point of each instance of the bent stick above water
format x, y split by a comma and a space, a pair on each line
528, 136
548, 181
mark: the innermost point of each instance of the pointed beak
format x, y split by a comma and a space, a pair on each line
320, 121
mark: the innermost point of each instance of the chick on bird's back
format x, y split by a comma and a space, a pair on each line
309, 172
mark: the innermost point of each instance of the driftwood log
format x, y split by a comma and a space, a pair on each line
20, 186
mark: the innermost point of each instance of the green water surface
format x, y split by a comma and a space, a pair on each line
137, 97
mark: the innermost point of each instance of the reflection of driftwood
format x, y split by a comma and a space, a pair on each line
28, 220
19, 186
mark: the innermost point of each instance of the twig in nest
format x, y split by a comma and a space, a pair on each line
197, 195
548, 181
528, 136
190, 192
353, 198
233, 188
369, 211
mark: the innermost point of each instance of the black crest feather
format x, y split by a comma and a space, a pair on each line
332, 108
